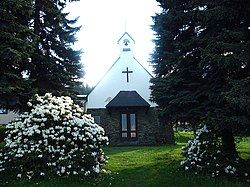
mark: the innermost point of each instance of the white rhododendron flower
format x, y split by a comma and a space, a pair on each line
204, 154
54, 138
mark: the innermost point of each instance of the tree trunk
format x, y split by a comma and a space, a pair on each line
170, 134
228, 143
169, 131
37, 18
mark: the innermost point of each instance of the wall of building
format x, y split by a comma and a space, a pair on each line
6, 118
150, 131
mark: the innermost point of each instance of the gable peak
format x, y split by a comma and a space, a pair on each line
126, 42
126, 35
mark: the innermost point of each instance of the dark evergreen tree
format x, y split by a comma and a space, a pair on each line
15, 49
82, 89
36, 53
176, 59
225, 64
201, 58
56, 65
238, 100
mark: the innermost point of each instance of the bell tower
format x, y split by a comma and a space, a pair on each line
126, 43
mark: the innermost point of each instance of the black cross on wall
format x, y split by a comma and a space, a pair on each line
127, 71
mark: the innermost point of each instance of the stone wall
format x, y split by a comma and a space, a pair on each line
150, 131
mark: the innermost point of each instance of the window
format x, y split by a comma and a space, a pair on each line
3, 111
97, 119
126, 49
128, 126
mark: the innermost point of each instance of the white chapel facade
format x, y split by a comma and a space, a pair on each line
126, 74
121, 104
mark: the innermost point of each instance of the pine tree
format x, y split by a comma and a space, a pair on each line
36, 54
82, 89
225, 61
56, 65
15, 49
176, 60
201, 60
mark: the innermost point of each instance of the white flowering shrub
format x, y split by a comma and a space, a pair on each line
54, 138
204, 155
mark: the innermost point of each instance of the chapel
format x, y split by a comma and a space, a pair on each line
120, 102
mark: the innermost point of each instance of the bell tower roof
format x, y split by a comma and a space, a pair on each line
126, 43
125, 35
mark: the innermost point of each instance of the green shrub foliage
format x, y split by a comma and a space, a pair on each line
54, 138
204, 155
2, 132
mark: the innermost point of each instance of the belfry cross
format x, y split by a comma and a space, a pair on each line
127, 71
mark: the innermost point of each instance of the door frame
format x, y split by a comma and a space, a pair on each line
128, 112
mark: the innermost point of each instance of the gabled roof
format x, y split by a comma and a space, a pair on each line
143, 67
112, 67
103, 76
127, 99
125, 33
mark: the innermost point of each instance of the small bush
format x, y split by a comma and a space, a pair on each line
204, 155
2, 132
54, 138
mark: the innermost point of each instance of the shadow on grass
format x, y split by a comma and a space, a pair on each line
146, 176
159, 175
112, 150
162, 172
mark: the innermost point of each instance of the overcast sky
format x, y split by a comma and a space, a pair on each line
103, 23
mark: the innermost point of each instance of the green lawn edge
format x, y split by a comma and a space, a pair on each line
145, 166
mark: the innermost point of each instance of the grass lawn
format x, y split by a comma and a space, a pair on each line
145, 167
